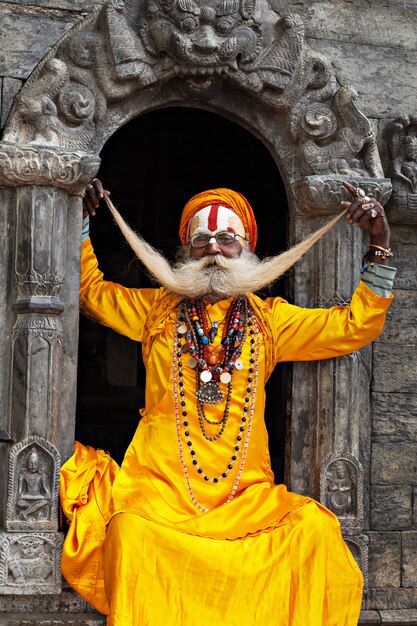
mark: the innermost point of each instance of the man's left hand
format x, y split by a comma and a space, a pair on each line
367, 213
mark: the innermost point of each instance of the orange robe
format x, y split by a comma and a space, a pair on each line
266, 557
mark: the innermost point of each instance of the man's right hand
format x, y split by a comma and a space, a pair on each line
93, 194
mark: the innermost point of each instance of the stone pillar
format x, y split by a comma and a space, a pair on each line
39, 348
329, 434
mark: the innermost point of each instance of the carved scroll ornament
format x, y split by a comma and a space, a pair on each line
199, 47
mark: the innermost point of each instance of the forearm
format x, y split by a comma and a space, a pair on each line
122, 309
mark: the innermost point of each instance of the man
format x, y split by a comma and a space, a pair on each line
193, 529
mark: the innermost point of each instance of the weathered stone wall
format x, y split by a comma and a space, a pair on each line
373, 47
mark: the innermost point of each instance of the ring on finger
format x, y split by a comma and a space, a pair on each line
360, 193
367, 206
373, 213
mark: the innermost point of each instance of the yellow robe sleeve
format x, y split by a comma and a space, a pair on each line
121, 308
310, 334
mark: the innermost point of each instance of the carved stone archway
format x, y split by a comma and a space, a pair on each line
245, 60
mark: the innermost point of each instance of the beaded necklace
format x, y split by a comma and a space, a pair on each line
204, 358
189, 319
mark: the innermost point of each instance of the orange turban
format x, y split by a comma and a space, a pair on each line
227, 198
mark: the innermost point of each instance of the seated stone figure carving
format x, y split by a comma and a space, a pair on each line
33, 495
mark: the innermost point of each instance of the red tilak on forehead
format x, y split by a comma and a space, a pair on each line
212, 218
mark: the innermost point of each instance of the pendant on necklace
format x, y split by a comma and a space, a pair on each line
213, 354
206, 376
225, 377
210, 393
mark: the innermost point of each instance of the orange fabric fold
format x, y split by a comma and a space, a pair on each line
86, 498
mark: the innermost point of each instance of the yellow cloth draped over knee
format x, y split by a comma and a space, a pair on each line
260, 546
85, 490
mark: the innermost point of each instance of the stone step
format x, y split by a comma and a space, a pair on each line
42, 619
404, 617
400, 617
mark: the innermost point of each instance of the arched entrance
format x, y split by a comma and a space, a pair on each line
153, 165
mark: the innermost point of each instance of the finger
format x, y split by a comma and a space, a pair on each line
98, 187
93, 195
351, 189
88, 206
358, 215
354, 206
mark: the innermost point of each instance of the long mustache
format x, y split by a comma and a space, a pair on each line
216, 275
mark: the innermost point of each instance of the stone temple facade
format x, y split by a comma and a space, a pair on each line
330, 90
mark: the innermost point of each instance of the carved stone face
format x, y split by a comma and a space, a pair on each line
32, 463
205, 39
30, 547
341, 470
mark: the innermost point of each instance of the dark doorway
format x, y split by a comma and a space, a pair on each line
152, 166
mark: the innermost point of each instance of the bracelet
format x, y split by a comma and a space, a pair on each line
382, 254
386, 251
378, 252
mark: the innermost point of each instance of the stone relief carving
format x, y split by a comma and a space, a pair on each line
352, 149
40, 104
33, 484
30, 563
26, 164
205, 40
325, 193
402, 144
200, 47
33, 493
35, 386
341, 490
40, 272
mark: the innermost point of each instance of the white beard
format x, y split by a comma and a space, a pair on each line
215, 277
